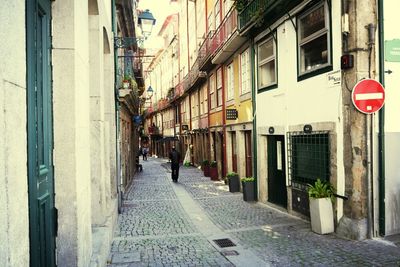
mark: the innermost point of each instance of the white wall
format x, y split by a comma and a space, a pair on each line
71, 131
392, 125
14, 224
310, 101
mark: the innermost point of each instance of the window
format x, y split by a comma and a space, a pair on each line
227, 6
266, 64
245, 72
313, 39
210, 22
229, 81
217, 14
219, 87
212, 91
308, 157
204, 97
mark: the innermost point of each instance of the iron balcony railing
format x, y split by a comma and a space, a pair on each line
195, 75
205, 49
225, 30
178, 90
248, 14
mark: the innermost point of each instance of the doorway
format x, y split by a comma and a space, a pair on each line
277, 193
248, 154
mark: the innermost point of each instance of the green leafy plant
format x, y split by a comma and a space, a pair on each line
231, 175
127, 78
205, 162
213, 163
240, 4
186, 163
247, 179
321, 189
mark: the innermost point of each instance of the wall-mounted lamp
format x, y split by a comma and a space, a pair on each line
146, 22
149, 92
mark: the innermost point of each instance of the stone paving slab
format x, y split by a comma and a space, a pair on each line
157, 231
172, 251
150, 191
153, 218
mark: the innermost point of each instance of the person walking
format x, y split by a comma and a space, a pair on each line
175, 157
145, 151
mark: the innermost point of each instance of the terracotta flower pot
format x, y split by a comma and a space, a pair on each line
206, 171
214, 173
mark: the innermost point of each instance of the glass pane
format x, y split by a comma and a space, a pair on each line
265, 50
266, 74
314, 54
312, 23
279, 155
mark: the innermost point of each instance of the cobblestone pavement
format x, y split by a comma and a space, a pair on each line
154, 229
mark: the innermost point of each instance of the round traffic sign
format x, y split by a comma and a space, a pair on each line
368, 96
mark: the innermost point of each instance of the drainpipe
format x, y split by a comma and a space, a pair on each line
224, 157
381, 137
187, 33
254, 111
117, 148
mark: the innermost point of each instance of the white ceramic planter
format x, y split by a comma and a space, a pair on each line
321, 213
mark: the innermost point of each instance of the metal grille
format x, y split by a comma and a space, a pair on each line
308, 157
225, 242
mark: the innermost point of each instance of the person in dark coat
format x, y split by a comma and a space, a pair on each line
175, 157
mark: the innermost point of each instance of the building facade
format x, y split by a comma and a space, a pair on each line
60, 157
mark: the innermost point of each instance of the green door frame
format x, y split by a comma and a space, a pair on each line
42, 213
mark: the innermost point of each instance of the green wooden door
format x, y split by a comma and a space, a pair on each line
42, 217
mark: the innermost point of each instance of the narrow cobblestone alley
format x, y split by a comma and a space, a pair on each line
168, 224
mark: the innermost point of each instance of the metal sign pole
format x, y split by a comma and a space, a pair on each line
369, 143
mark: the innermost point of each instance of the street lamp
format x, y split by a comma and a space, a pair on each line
146, 22
150, 92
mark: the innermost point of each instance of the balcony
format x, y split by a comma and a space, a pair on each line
227, 39
196, 77
178, 90
205, 53
268, 10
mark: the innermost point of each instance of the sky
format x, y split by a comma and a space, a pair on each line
160, 10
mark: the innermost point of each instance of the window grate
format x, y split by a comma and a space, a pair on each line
308, 157
225, 242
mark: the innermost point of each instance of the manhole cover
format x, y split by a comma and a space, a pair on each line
230, 253
224, 242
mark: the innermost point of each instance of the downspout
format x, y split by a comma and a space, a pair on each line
254, 111
117, 148
381, 136
224, 158
208, 89
187, 33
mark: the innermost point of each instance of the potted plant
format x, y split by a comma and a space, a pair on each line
248, 188
321, 195
126, 81
213, 170
205, 165
233, 182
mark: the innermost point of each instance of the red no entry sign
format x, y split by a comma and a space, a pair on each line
368, 96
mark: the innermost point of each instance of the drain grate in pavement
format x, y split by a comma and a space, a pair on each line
224, 242
229, 253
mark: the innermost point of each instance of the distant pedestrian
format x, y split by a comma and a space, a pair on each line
144, 152
175, 157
